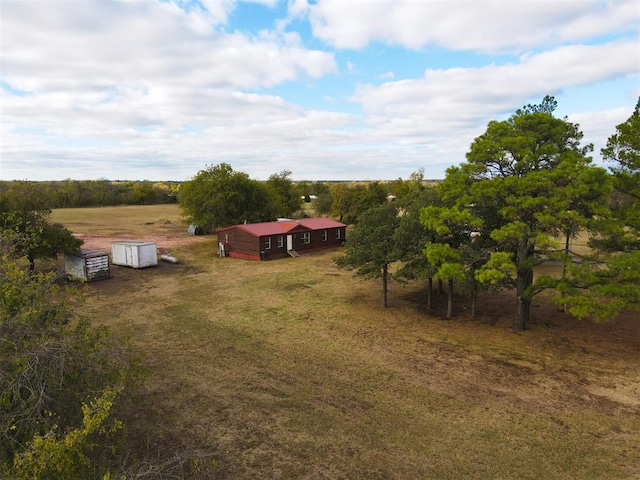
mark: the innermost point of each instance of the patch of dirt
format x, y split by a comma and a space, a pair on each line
167, 242
562, 360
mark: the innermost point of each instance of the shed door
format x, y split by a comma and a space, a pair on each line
289, 242
128, 255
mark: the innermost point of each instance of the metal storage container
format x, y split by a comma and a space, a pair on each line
134, 254
87, 265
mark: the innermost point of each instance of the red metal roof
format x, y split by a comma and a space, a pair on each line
285, 226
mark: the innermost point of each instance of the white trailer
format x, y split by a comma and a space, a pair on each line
134, 254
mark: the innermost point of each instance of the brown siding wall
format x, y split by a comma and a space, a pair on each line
241, 244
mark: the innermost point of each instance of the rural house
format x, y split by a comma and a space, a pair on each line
262, 241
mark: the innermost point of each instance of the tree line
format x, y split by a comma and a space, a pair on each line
94, 193
219, 196
527, 189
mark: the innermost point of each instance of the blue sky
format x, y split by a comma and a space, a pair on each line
327, 89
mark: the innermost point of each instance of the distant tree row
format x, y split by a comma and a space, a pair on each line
219, 196
526, 190
96, 193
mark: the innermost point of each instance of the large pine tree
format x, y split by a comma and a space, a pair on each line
526, 180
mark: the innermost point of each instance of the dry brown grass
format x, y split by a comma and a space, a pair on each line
291, 369
132, 220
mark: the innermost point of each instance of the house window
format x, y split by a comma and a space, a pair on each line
280, 241
337, 233
324, 235
267, 243
306, 237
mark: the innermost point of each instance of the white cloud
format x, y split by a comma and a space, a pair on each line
146, 89
91, 45
141, 62
495, 88
599, 126
297, 8
489, 26
446, 109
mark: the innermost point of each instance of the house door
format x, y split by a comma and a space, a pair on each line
289, 243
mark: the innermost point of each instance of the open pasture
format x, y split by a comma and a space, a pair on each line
291, 369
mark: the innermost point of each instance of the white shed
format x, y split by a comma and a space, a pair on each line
134, 254
87, 265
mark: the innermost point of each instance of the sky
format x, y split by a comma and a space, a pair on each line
326, 89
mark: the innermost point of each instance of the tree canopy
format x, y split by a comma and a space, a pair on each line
52, 362
623, 151
219, 196
286, 195
610, 281
349, 201
24, 216
526, 178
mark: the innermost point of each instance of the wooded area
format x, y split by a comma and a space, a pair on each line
527, 189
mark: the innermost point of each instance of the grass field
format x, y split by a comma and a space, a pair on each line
130, 220
291, 369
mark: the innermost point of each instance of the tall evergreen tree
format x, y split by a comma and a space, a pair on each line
623, 151
523, 179
610, 282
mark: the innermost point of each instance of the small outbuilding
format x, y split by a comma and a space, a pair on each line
268, 240
134, 254
87, 265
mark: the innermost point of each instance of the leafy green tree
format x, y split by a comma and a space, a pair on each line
144, 193
62, 382
522, 180
342, 197
69, 456
51, 361
350, 200
218, 196
286, 195
25, 211
322, 203
370, 248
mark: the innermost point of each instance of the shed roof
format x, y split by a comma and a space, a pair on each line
285, 226
136, 243
87, 253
